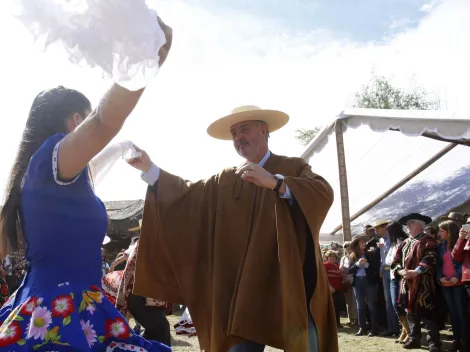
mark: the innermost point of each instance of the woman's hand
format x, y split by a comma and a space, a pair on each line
142, 163
362, 261
444, 280
454, 281
165, 49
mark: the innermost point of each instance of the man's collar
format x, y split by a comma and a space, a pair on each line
265, 158
263, 161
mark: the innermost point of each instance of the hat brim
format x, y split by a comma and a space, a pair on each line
134, 229
220, 129
415, 216
357, 238
444, 218
380, 223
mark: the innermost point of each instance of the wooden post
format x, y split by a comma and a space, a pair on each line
343, 181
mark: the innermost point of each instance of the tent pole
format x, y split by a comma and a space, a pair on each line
343, 181
408, 178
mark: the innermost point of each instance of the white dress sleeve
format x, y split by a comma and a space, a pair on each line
122, 37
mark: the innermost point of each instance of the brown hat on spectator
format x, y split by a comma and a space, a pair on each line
357, 238
457, 217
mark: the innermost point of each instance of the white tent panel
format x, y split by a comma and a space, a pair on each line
376, 161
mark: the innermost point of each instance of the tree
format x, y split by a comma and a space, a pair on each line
379, 93
304, 136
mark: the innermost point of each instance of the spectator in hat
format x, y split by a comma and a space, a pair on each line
458, 218
397, 236
371, 240
415, 265
365, 270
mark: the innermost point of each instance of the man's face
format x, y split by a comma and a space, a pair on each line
370, 232
381, 230
414, 228
250, 139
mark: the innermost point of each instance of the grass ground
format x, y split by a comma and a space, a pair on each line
347, 341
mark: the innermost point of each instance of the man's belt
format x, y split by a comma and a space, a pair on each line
386, 267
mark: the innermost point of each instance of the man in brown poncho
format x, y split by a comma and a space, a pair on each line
241, 249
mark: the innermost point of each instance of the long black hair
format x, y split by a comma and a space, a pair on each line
396, 232
48, 115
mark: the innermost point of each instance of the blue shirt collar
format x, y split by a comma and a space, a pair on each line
265, 158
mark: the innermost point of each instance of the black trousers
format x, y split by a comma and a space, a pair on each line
433, 335
338, 301
152, 319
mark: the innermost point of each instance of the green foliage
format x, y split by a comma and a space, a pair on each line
304, 136
379, 93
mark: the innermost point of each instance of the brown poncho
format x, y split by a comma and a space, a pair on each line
234, 254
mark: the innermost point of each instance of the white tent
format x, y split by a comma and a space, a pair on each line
392, 162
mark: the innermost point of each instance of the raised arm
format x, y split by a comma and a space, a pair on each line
102, 125
458, 250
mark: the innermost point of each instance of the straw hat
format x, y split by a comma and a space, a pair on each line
380, 222
134, 229
220, 129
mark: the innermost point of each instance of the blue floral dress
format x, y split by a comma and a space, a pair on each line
60, 306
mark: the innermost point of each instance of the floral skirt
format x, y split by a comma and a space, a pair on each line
68, 320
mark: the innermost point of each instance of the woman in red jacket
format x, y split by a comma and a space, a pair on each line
461, 253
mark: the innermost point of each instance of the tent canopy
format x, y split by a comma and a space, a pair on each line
377, 157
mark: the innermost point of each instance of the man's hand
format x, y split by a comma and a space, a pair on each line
411, 274
256, 174
142, 163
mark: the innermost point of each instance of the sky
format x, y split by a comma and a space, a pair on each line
306, 58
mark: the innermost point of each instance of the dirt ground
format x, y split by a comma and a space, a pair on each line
347, 341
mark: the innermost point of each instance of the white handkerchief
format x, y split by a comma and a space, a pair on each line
122, 37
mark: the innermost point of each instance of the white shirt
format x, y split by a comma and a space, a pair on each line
153, 174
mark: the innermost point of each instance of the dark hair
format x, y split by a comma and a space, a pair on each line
432, 230
356, 251
48, 115
396, 232
453, 229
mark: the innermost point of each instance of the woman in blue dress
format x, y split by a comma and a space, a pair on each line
52, 211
